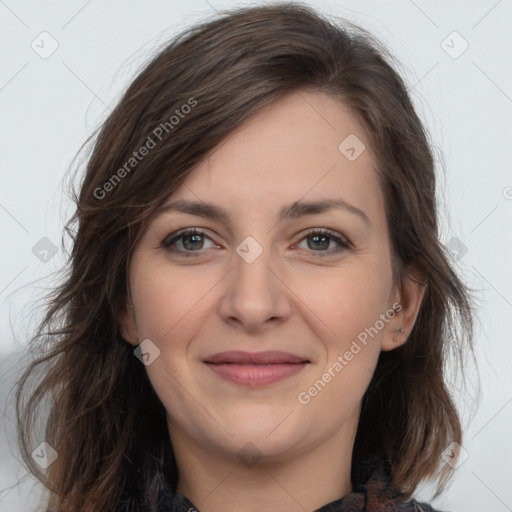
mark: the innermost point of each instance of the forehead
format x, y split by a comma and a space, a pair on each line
305, 146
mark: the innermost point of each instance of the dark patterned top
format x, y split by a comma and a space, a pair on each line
372, 493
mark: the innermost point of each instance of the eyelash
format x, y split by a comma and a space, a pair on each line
343, 242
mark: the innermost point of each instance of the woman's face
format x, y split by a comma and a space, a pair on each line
255, 279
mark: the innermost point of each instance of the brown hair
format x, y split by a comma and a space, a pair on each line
105, 421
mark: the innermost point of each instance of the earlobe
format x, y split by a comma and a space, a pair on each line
412, 292
394, 338
401, 331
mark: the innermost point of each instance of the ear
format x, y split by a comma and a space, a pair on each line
409, 294
127, 325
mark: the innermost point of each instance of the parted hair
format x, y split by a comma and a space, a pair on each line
101, 413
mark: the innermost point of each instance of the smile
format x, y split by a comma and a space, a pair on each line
255, 369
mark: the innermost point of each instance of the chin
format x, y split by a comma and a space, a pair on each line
273, 433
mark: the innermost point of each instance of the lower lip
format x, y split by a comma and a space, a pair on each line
253, 375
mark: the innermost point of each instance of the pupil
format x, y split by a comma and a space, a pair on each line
195, 237
316, 237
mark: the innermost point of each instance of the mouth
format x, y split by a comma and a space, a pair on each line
253, 369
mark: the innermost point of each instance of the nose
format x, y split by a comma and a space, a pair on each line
256, 295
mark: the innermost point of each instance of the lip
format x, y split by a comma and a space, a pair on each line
254, 369
267, 357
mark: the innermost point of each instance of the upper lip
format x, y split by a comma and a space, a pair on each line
267, 357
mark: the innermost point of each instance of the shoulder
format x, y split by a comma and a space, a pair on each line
380, 492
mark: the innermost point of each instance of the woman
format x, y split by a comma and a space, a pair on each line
258, 308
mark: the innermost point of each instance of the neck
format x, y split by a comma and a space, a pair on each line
305, 481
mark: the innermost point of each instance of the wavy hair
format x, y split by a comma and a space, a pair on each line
102, 415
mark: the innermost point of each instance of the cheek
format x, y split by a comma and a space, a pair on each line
336, 393
349, 304
167, 302
170, 307
347, 300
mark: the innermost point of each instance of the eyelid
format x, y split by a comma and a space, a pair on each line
176, 235
343, 242
329, 232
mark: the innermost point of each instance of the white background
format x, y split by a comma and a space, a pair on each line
49, 106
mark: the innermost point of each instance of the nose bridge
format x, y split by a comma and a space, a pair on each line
254, 293
251, 272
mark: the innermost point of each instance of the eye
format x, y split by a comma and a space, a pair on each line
191, 241
322, 238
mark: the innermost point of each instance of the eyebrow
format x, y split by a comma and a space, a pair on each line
292, 211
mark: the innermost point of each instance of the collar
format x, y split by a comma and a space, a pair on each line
372, 492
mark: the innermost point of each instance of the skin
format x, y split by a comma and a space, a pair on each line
287, 299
